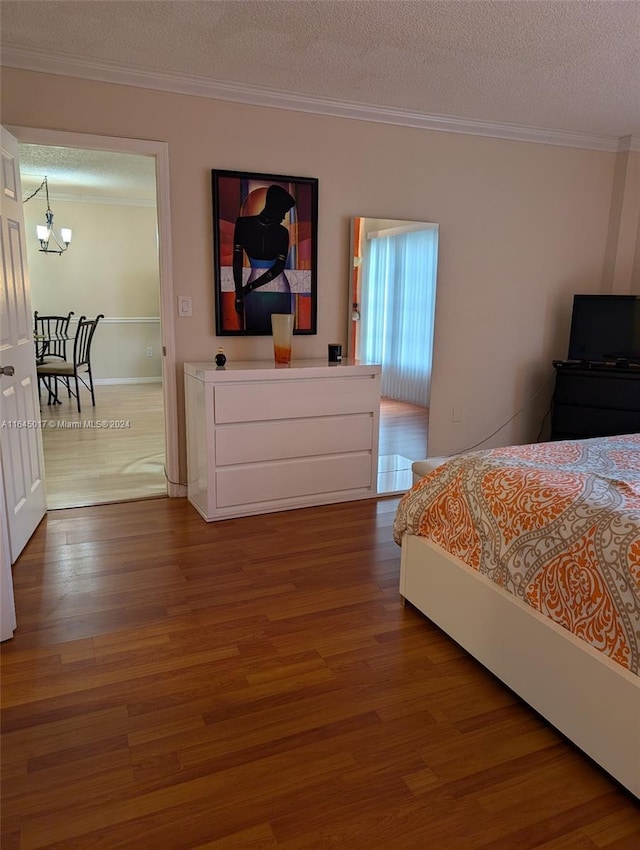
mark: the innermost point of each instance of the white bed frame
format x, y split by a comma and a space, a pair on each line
588, 697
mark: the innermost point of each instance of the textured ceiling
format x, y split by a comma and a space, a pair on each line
568, 65
100, 175
559, 65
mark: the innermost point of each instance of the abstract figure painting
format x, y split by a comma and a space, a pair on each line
265, 251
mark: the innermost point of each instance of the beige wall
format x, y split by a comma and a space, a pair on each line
622, 257
522, 227
110, 268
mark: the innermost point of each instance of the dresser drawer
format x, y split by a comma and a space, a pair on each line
250, 402
262, 483
611, 391
263, 439
581, 422
250, 443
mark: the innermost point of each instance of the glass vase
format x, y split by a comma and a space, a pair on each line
282, 330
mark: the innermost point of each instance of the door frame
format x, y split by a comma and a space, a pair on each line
160, 152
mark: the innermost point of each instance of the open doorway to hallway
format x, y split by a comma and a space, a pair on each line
115, 450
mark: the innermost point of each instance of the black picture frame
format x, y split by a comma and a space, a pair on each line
265, 250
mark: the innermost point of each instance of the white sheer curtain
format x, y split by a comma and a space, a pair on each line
397, 311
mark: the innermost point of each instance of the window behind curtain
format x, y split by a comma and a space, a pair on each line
397, 311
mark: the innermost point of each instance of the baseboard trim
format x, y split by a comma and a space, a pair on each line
151, 380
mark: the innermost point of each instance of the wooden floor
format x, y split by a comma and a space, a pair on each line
256, 683
106, 453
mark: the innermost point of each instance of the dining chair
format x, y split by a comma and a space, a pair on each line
51, 334
78, 369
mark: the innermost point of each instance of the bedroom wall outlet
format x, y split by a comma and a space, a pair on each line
184, 305
456, 414
149, 351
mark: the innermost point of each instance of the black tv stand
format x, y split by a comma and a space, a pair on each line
618, 363
595, 399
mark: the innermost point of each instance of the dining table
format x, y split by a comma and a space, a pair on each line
43, 343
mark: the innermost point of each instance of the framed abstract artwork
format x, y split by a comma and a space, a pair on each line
265, 234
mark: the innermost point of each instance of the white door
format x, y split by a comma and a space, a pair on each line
20, 438
7, 606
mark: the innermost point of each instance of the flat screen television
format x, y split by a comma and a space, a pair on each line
605, 328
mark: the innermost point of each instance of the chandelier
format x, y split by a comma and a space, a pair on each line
45, 232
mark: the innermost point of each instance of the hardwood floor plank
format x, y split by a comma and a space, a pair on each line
258, 837
617, 828
174, 684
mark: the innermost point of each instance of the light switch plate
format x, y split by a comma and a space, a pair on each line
184, 305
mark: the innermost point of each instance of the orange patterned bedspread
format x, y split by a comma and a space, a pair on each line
557, 524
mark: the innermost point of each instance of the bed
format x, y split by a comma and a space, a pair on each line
529, 558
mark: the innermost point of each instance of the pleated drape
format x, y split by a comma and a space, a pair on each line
397, 311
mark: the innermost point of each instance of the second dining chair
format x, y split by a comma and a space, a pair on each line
78, 369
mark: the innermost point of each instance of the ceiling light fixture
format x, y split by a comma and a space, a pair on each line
45, 231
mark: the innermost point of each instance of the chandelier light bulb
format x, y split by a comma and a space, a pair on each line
45, 232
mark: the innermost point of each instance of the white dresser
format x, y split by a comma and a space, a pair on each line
261, 438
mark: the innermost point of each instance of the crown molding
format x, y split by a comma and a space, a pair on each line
177, 83
628, 143
102, 200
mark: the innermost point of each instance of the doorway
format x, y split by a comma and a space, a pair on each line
110, 179
393, 288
